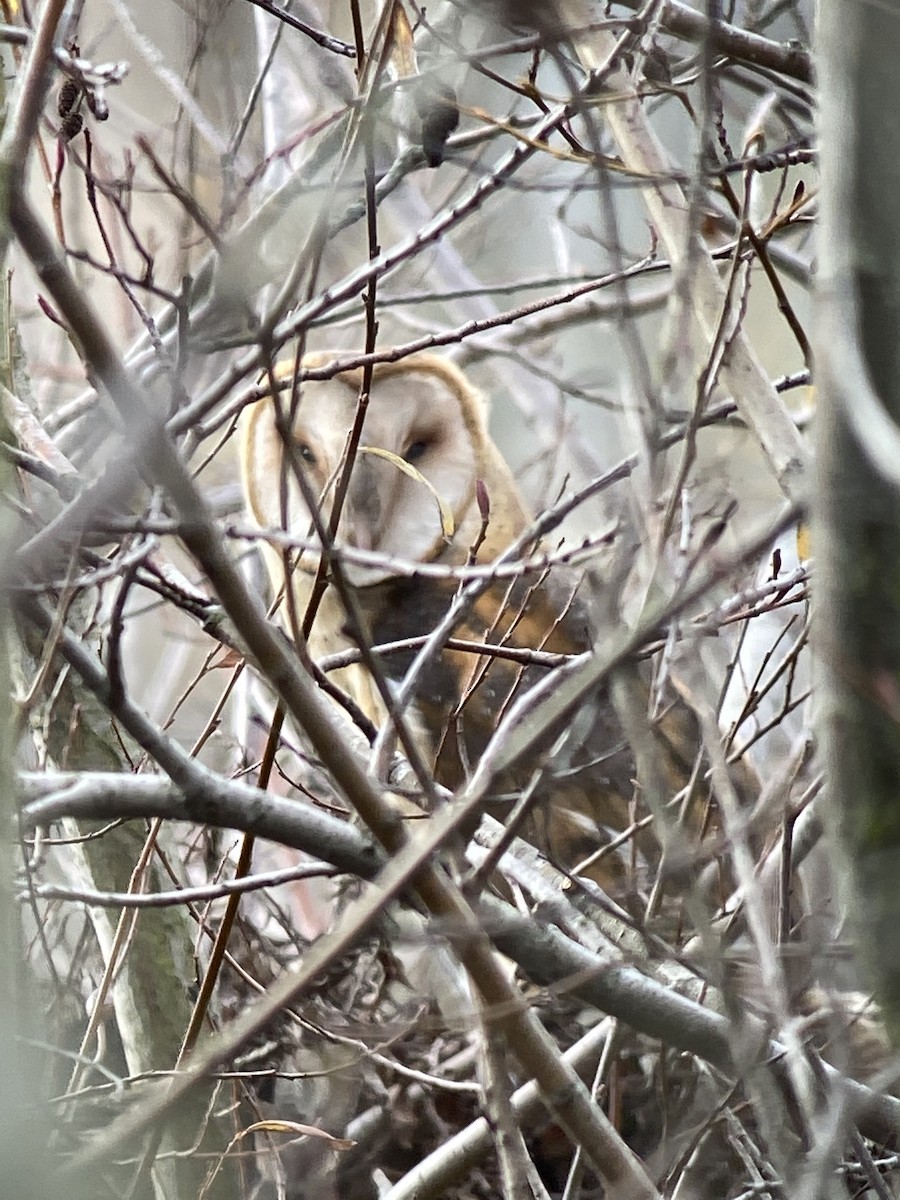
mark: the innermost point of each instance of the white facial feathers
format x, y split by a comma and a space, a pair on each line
420, 413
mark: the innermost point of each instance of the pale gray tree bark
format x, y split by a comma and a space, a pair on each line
858, 499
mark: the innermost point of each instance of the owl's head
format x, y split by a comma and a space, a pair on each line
412, 488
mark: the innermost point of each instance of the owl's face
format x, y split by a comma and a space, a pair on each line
415, 418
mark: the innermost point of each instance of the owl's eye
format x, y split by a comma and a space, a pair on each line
416, 450
306, 453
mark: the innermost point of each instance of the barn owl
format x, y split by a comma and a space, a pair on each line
425, 465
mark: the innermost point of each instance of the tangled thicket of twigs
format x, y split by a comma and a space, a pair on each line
602, 213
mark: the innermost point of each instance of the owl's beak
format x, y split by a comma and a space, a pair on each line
376, 516
360, 536
364, 506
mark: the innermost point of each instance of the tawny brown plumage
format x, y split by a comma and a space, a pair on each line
422, 413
